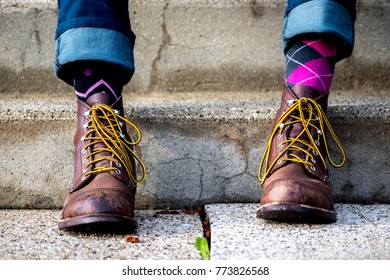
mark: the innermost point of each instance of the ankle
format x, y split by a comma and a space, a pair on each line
91, 78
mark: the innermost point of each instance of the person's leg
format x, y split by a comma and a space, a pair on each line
313, 46
294, 167
94, 31
94, 53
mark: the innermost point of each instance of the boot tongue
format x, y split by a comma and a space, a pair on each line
102, 97
309, 92
295, 129
304, 91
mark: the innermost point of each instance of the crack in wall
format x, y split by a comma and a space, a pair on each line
166, 40
32, 41
257, 9
200, 181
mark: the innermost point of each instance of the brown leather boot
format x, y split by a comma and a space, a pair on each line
101, 195
293, 170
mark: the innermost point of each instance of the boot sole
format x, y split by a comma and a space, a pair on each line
296, 213
99, 223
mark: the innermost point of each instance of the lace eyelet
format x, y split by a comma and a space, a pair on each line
86, 113
83, 151
121, 124
116, 111
319, 132
290, 102
82, 138
279, 136
313, 168
313, 160
122, 135
280, 145
317, 142
281, 125
315, 153
85, 125
118, 164
118, 172
279, 162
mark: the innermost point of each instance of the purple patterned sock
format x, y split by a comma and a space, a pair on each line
311, 63
92, 78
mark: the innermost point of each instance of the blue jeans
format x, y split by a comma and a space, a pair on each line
100, 30
96, 30
333, 18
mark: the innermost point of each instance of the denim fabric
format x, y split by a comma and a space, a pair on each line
96, 44
100, 30
349, 5
97, 30
94, 13
335, 18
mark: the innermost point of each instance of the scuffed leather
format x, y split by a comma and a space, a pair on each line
290, 182
105, 192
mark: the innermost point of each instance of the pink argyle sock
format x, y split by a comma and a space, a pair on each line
311, 63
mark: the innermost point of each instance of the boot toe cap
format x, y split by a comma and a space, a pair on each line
305, 192
105, 201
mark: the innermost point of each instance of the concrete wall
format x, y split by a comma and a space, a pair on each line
191, 46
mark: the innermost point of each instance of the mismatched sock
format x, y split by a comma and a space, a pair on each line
92, 78
311, 63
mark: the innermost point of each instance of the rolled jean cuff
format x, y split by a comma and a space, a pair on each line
320, 17
93, 44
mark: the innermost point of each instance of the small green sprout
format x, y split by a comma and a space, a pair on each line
203, 247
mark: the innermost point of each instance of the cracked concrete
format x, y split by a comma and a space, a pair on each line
362, 232
205, 90
199, 151
165, 41
187, 46
194, 166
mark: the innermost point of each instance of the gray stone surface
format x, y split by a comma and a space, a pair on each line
33, 235
362, 232
197, 150
229, 45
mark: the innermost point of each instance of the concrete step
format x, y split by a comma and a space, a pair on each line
34, 235
232, 45
198, 148
362, 232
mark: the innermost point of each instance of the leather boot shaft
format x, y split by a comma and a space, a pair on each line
101, 196
290, 130
294, 167
82, 163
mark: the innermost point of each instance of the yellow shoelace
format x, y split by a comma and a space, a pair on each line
310, 114
106, 126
